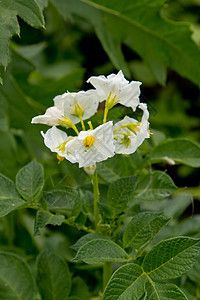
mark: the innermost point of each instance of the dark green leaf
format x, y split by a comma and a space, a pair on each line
120, 193
126, 283
166, 42
171, 258
27, 10
175, 206
86, 238
44, 218
179, 150
114, 168
30, 12
16, 281
9, 197
99, 251
163, 291
53, 276
154, 186
80, 290
143, 228
194, 273
68, 199
30, 181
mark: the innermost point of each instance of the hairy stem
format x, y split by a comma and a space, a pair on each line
96, 199
107, 272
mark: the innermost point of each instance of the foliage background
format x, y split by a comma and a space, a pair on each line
81, 39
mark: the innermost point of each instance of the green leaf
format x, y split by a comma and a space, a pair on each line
3, 120
30, 12
27, 10
53, 277
175, 206
114, 168
179, 150
86, 238
30, 181
9, 27
9, 197
43, 218
16, 281
120, 193
166, 42
80, 290
154, 186
68, 200
171, 258
126, 283
42, 3
143, 228
194, 273
99, 251
163, 291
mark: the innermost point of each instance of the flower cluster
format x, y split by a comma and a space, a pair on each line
95, 145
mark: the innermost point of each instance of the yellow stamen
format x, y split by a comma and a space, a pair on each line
61, 147
77, 110
68, 123
90, 125
60, 158
110, 102
151, 133
88, 142
134, 127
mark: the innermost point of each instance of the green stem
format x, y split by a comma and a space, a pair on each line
107, 272
96, 199
9, 228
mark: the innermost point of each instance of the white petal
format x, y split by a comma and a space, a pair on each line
101, 85
51, 117
88, 101
102, 148
129, 95
135, 139
53, 138
116, 85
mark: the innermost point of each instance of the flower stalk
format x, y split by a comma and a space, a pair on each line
96, 199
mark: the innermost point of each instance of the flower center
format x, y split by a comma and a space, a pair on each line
77, 110
126, 141
88, 142
111, 100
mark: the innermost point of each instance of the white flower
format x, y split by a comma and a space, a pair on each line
116, 89
129, 134
78, 105
69, 109
93, 145
56, 139
52, 117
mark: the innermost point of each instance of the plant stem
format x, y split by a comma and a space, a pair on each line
9, 228
107, 272
96, 199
